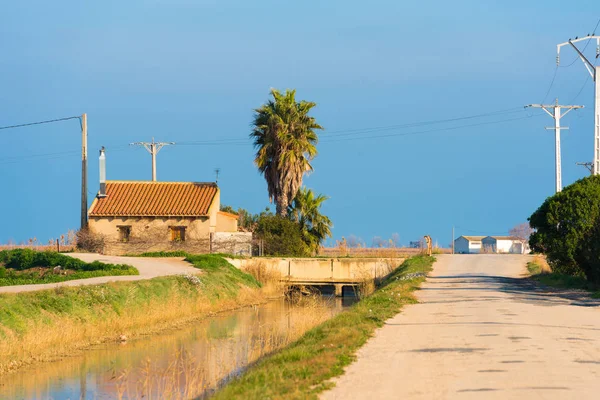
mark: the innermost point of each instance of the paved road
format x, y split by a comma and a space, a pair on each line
480, 331
148, 267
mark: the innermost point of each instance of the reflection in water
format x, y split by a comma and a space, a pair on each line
185, 363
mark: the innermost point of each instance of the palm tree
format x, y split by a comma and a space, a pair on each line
285, 141
306, 211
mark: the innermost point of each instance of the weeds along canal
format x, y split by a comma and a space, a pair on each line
189, 362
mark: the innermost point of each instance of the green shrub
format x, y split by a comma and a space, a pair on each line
281, 236
568, 229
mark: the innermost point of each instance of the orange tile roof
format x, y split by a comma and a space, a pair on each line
154, 199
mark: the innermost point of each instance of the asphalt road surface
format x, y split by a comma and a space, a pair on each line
149, 268
482, 331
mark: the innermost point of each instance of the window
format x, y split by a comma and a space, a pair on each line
177, 233
124, 233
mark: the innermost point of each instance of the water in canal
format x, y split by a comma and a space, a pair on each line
185, 363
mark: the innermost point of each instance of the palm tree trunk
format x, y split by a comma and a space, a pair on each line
281, 203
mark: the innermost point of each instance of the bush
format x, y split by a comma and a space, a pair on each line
568, 229
88, 241
281, 236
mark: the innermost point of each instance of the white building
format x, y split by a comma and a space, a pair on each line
468, 244
504, 245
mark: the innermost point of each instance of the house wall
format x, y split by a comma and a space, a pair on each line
461, 245
475, 247
237, 243
152, 234
489, 245
226, 223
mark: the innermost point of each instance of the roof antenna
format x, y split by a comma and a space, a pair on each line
217, 170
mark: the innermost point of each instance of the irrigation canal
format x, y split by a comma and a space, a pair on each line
189, 362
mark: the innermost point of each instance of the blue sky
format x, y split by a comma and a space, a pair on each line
194, 70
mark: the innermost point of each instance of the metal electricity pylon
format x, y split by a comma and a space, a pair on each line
595, 73
557, 115
153, 148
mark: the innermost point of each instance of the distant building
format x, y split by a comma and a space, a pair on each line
504, 244
146, 216
490, 245
468, 244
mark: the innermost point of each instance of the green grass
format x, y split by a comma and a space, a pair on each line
220, 279
303, 369
25, 267
220, 276
563, 281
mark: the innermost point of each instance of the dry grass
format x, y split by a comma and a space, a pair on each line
187, 376
66, 243
268, 277
542, 263
376, 252
46, 325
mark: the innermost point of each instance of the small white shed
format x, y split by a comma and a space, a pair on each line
468, 244
504, 245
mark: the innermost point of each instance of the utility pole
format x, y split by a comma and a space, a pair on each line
84, 171
452, 239
595, 73
153, 148
556, 114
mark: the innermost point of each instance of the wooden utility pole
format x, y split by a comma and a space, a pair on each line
84, 189
453, 240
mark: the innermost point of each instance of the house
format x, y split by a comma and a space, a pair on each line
129, 217
468, 244
505, 244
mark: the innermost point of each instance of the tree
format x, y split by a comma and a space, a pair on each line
378, 242
568, 229
306, 211
285, 141
521, 231
281, 236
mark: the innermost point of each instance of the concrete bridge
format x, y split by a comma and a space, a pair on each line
329, 274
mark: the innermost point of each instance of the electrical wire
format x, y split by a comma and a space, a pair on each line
432, 130
49, 156
39, 122
551, 84
584, 47
358, 131
343, 135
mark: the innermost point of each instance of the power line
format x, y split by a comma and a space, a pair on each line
551, 84
39, 122
357, 131
47, 156
431, 130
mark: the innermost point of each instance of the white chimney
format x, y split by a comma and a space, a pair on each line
102, 161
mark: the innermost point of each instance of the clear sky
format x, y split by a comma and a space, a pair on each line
184, 71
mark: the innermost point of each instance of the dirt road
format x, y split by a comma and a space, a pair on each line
148, 267
482, 332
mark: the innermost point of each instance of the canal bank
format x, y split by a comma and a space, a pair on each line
304, 369
51, 324
187, 362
